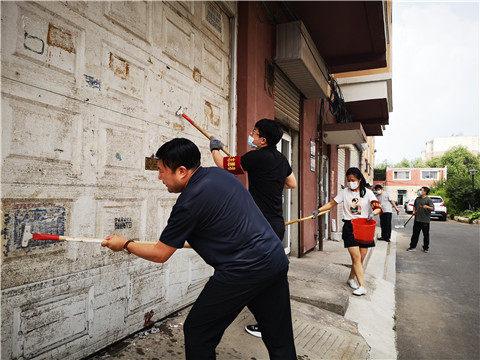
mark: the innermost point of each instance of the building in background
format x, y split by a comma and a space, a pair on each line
403, 183
90, 91
439, 146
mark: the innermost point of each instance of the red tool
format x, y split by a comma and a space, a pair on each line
40, 236
198, 127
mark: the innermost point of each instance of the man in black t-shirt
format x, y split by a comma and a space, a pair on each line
220, 221
268, 174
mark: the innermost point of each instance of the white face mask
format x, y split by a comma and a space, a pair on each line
250, 141
353, 185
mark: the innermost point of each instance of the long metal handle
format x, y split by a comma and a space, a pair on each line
204, 132
291, 222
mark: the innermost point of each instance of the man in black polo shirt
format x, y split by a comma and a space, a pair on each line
268, 174
220, 221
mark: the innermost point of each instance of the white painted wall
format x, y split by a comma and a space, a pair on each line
89, 89
438, 146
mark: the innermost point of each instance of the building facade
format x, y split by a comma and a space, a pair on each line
403, 183
90, 91
439, 146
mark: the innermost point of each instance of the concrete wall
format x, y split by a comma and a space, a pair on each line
89, 89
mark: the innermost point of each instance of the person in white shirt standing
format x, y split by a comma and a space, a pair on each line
387, 207
357, 202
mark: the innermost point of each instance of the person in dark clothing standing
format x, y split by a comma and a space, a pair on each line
220, 221
386, 216
422, 208
268, 174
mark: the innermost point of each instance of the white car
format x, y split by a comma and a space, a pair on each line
409, 206
440, 210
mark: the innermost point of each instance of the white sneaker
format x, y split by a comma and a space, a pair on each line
360, 291
253, 330
353, 284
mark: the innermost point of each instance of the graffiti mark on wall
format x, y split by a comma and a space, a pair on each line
33, 43
123, 223
92, 82
35, 218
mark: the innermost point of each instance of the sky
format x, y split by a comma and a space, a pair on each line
435, 51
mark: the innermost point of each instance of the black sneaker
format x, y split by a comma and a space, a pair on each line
411, 249
253, 330
425, 250
387, 240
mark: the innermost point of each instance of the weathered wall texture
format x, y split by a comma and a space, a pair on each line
89, 89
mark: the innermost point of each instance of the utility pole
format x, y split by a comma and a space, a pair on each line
472, 172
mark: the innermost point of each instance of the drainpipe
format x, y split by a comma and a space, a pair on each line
233, 82
301, 140
319, 161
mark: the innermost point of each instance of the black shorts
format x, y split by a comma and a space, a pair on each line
349, 240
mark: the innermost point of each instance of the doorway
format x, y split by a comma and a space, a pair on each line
401, 196
285, 147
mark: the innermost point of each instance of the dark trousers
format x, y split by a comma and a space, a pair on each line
219, 304
425, 229
386, 225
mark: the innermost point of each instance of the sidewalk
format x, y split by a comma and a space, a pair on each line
320, 299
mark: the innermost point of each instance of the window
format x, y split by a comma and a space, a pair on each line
429, 175
401, 175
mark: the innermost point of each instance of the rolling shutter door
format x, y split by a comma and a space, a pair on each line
287, 101
354, 157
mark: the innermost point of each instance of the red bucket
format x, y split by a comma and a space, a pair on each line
364, 230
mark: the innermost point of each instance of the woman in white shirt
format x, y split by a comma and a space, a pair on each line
357, 202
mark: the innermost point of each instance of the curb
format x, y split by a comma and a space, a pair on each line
466, 220
375, 312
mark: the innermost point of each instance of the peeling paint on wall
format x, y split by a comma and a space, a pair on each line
212, 118
197, 75
119, 66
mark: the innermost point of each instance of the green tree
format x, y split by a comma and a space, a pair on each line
458, 189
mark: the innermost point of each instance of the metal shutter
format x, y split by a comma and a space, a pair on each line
341, 181
287, 101
354, 157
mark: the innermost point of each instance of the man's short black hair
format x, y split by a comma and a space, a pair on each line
179, 152
270, 130
426, 189
378, 186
